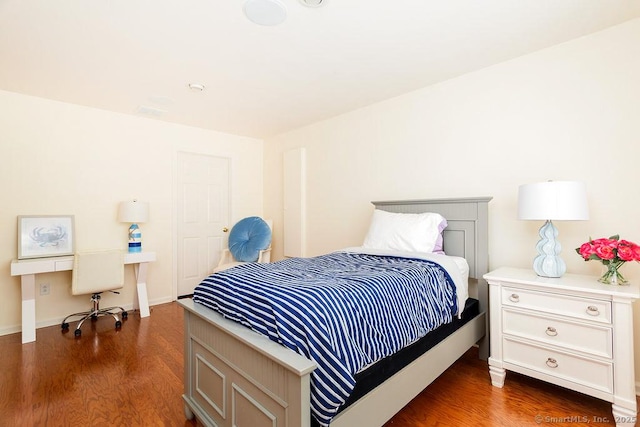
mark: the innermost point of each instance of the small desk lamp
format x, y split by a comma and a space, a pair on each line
547, 201
134, 212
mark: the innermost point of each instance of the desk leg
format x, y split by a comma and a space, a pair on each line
28, 282
142, 301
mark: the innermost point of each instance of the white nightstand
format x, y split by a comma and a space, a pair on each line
571, 331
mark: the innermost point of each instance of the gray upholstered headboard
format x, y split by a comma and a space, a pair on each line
467, 233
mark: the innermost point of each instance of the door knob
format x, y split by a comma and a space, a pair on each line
225, 229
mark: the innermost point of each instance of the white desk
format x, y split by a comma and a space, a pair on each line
28, 268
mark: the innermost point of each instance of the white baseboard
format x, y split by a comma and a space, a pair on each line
58, 320
159, 301
10, 330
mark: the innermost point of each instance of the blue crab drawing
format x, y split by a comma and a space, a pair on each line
52, 236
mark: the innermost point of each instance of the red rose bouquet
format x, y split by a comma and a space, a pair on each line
613, 253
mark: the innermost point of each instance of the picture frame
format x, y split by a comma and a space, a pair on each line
42, 236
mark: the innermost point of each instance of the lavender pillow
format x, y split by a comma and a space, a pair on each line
437, 249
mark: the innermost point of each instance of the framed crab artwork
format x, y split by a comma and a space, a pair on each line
41, 236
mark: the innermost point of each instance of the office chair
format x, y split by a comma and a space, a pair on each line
249, 241
93, 273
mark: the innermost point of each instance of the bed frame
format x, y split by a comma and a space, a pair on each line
236, 377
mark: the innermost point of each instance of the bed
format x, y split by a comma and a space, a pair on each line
234, 376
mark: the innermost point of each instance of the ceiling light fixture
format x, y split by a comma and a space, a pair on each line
265, 12
312, 3
197, 87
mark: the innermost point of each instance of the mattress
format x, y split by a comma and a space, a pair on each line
345, 310
384, 369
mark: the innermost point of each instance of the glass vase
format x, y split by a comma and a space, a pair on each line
612, 275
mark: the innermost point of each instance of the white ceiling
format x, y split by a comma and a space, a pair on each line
133, 55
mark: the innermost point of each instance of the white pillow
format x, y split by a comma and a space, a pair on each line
404, 232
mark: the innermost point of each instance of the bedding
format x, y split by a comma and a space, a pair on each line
372, 377
405, 231
378, 301
457, 267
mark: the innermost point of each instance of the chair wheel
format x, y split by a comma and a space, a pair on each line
65, 326
78, 332
125, 315
118, 324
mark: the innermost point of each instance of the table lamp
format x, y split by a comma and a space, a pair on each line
547, 201
134, 212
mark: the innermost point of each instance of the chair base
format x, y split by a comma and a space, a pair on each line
94, 314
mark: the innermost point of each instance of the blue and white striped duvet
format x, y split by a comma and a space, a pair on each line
343, 310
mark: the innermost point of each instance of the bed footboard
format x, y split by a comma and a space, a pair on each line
234, 376
380, 404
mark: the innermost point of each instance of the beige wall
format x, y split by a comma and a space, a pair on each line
65, 159
571, 112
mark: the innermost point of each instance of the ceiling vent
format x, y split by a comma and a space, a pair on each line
150, 111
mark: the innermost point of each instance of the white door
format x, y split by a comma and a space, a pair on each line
202, 217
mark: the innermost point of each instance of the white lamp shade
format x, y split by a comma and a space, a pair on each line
133, 211
553, 200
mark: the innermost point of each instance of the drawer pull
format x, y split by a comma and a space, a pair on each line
514, 298
552, 363
551, 331
592, 310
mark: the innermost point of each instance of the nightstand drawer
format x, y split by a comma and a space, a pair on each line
587, 372
565, 305
587, 338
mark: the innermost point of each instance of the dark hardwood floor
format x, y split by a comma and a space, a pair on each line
133, 377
